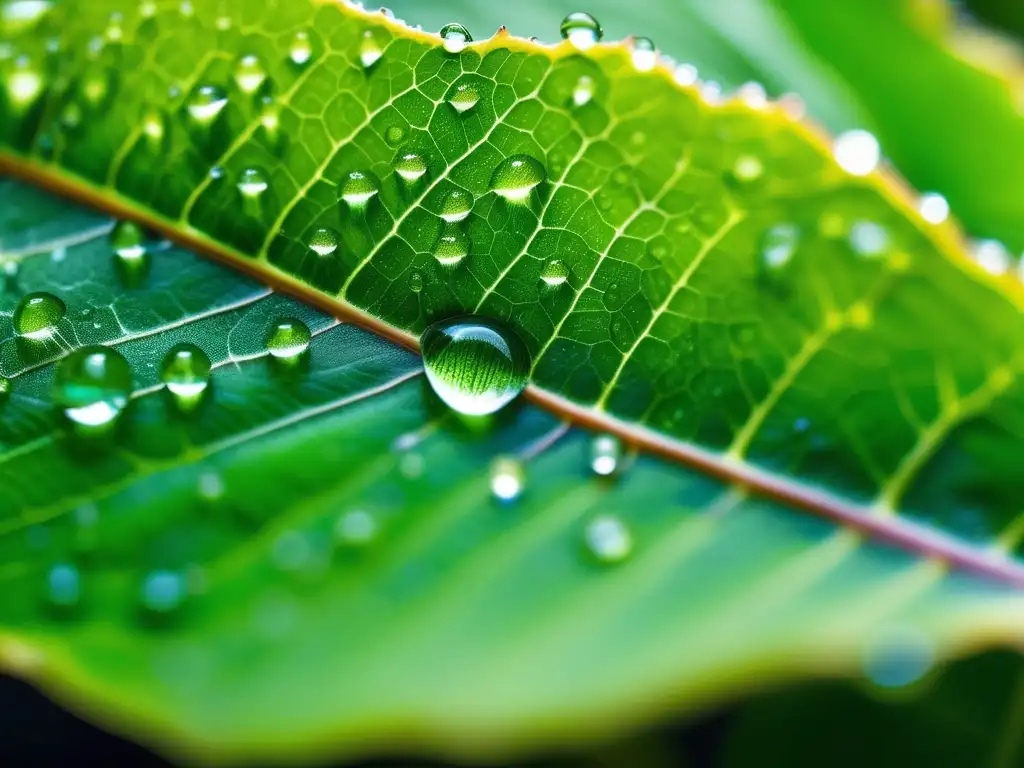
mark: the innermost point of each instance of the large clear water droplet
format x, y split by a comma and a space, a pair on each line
410, 166
554, 273
605, 455
581, 29
288, 339
608, 539
206, 103
37, 314
185, 371
464, 97
645, 55
516, 176
324, 241
452, 246
301, 50
369, 50
456, 205
507, 478
249, 74
128, 241
92, 385
358, 187
455, 37
778, 244
475, 365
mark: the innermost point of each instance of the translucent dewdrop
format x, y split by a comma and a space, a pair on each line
358, 187
554, 273
583, 91
37, 315
516, 176
128, 241
605, 455
249, 74
457, 205
206, 103
686, 74
645, 56
185, 371
608, 539
252, 183
455, 37
92, 386
288, 338
452, 246
857, 152
753, 95
581, 30
933, 208
324, 242
778, 244
507, 479
411, 167
869, 238
369, 50
301, 50
464, 98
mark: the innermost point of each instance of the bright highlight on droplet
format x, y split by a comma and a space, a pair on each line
455, 37
933, 208
357, 188
992, 256
37, 315
324, 241
554, 273
206, 102
410, 166
605, 454
686, 74
507, 478
457, 205
249, 74
778, 244
608, 539
582, 30
645, 56
857, 152
369, 50
92, 386
583, 91
185, 371
288, 338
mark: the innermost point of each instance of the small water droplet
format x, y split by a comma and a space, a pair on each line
857, 152
933, 207
608, 539
185, 371
416, 281
868, 238
516, 176
452, 246
163, 592
394, 134
92, 385
686, 74
464, 97
455, 37
206, 103
369, 50
324, 241
37, 315
554, 273
252, 183
474, 364
992, 256
410, 166
645, 56
507, 478
128, 241
581, 29
301, 50
355, 528
583, 91
753, 95
778, 244
605, 454
456, 205
288, 339
154, 128
898, 656
358, 187
64, 586
249, 74
747, 169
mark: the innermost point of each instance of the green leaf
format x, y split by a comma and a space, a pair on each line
871, 376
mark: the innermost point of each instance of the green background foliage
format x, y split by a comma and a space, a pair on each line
879, 367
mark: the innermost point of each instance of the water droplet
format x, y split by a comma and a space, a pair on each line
252, 183
456, 205
416, 281
369, 50
324, 241
128, 241
898, 656
5, 388
992, 256
410, 166
475, 365
747, 169
394, 134
452, 246
516, 176
37, 315
185, 371
753, 95
464, 97
608, 539
507, 478
301, 50
64, 586
249, 74
358, 187
455, 37
210, 486
24, 83
645, 56
933, 207
686, 74
581, 29
583, 91
605, 454
92, 386
206, 103
154, 128
356, 528
554, 273
163, 592
778, 244
868, 238
857, 152
288, 339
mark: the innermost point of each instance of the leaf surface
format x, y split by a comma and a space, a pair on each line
850, 382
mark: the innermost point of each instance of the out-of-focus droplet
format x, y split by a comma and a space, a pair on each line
747, 169
301, 49
685, 74
128, 241
645, 55
369, 50
933, 208
778, 244
869, 238
608, 539
64, 586
583, 91
857, 152
355, 528
163, 592
185, 371
992, 256
507, 478
605, 454
249, 74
